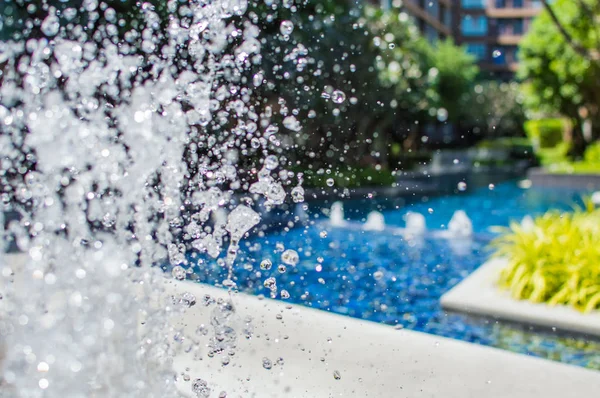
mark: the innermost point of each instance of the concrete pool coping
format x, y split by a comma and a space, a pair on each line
544, 178
479, 295
372, 360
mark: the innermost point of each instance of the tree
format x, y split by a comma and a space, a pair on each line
455, 73
496, 109
559, 61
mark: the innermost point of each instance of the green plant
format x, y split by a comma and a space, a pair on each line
559, 63
504, 143
555, 259
592, 153
545, 133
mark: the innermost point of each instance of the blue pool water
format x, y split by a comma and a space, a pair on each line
383, 277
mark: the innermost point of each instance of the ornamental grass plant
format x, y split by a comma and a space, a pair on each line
553, 258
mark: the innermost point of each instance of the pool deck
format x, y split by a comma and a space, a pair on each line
373, 360
368, 359
479, 295
541, 177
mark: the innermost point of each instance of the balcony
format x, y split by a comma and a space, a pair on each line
419, 12
492, 67
528, 12
509, 39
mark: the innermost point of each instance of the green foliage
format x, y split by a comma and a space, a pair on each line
545, 133
516, 148
505, 143
392, 77
554, 155
592, 153
453, 74
556, 160
496, 109
561, 80
555, 260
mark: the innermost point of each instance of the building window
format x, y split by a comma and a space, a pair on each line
431, 34
448, 18
511, 27
518, 3
503, 55
500, 3
473, 3
433, 8
445, 16
472, 25
499, 56
518, 26
536, 3
478, 50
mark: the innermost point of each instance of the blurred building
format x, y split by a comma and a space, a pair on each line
490, 29
433, 17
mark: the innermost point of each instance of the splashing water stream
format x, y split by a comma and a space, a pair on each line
120, 147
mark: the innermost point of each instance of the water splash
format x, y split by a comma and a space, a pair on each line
415, 223
336, 214
120, 144
460, 225
375, 222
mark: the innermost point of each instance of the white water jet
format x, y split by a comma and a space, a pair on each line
336, 214
415, 223
121, 150
460, 225
300, 212
527, 223
375, 222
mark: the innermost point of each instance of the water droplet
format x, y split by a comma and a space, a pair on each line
290, 257
178, 272
462, 186
298, 194
284, 294
281, 269
257, 79
271, 162
323, 234
286, 27
430, 210
291, 123
200, 388
337, 375
50, 25
266, 363
378, 275
270, 283
491, 187
330, 182
496, 53
338, 96
266, 264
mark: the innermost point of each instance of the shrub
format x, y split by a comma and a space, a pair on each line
517, 148
592, 153
555, 259
504, 143
545, 133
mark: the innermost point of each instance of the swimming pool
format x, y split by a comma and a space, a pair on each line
382, 276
